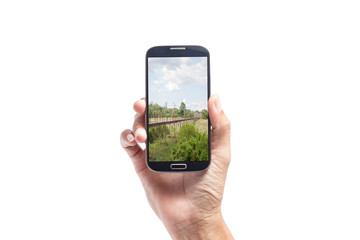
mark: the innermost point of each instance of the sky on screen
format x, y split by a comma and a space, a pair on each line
178, 79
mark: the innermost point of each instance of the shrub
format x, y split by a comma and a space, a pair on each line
158, 132
204, 114
192, 145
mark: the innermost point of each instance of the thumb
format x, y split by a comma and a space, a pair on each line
220, 134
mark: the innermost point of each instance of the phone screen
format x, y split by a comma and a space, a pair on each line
178, 124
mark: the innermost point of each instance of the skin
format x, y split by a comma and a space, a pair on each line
189, 204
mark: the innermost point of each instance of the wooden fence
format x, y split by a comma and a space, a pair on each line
156, 124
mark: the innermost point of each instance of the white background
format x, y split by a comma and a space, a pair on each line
287, 73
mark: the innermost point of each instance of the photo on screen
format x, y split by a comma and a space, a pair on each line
177, 109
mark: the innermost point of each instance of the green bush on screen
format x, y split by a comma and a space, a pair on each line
192, 145
158, 132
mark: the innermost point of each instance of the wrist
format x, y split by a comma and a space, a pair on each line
211, 227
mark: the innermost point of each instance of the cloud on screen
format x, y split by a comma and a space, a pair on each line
170, 74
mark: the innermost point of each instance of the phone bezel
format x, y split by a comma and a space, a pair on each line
177, 51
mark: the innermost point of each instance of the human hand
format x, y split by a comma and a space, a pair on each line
188, 203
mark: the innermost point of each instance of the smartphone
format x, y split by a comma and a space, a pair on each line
177, 120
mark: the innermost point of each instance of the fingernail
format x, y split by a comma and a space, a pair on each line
140, 132
218, 104
130, 137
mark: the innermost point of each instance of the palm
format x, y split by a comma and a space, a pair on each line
175, 197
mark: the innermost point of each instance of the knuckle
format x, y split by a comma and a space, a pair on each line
134, 104
123, 136
227, 124
123, 133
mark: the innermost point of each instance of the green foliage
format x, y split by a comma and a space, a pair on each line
155, 111
204, 114
182, 109
187, 131
192, 145
160, 151
158, 132
188, 113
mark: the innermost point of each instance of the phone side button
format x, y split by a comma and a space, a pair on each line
178, 166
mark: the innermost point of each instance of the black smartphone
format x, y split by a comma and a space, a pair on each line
177, 119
